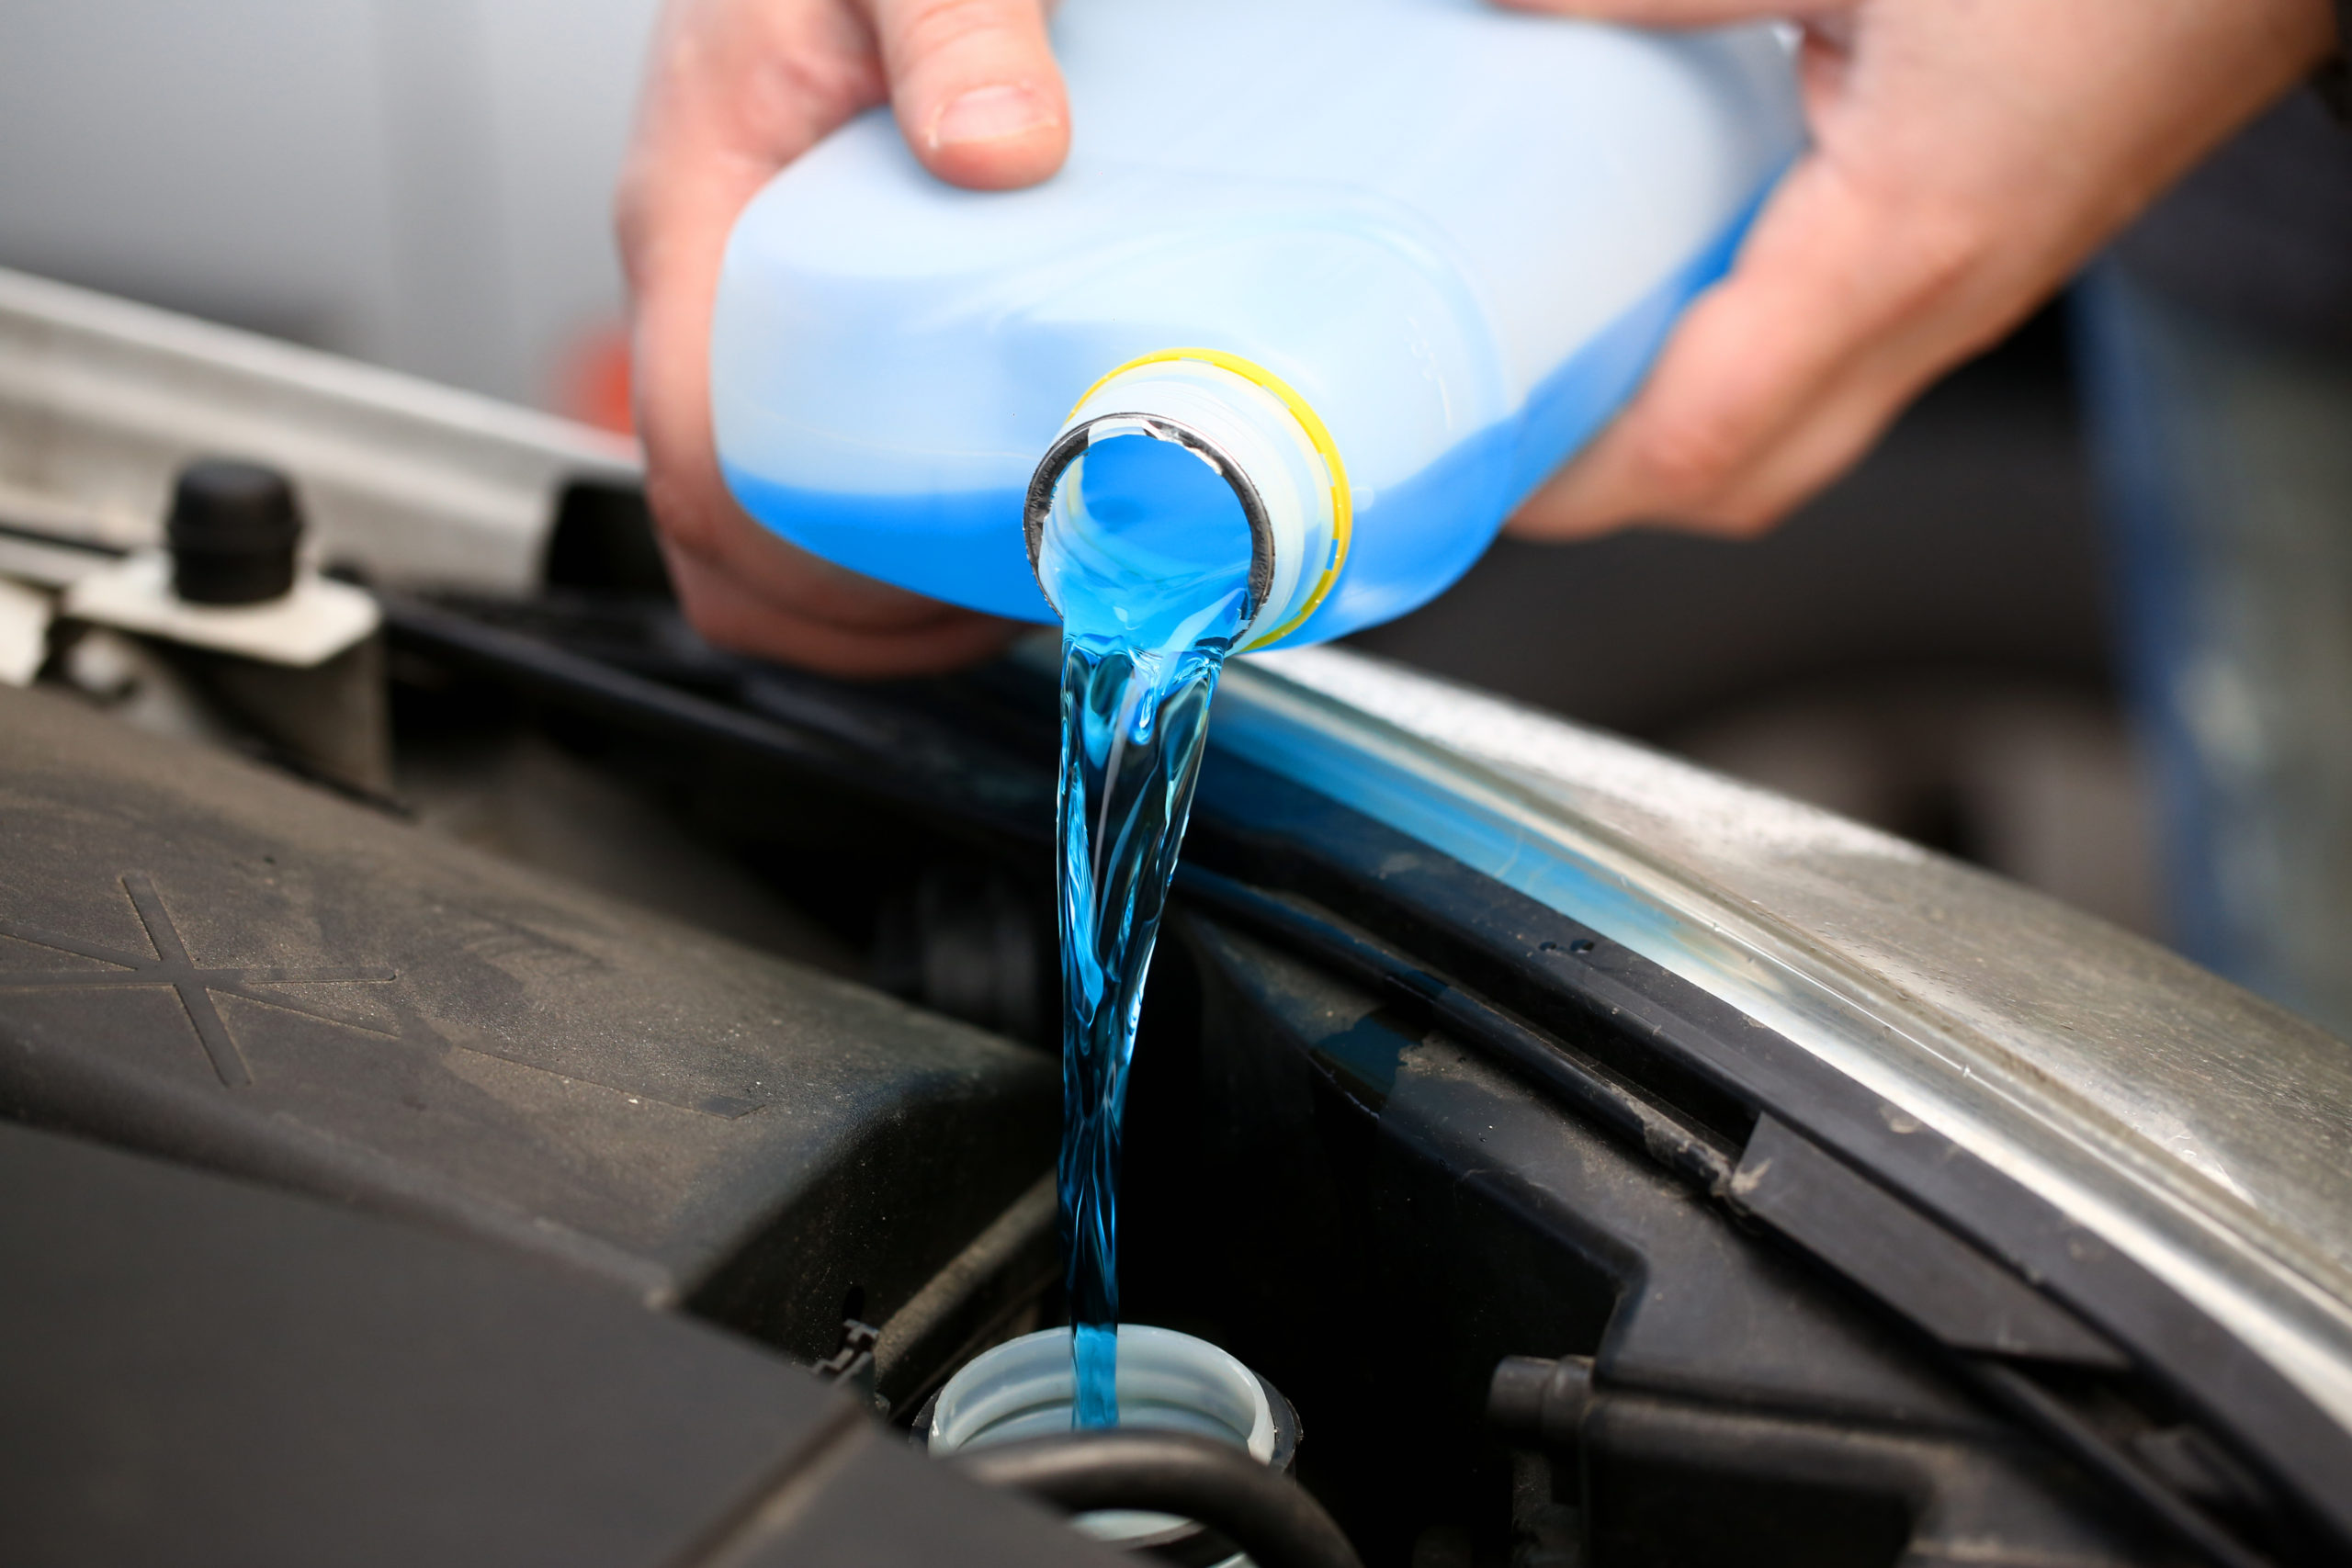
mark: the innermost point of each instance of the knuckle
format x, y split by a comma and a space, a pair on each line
692, 582
931, 27
718, 609
1688, 456
632, 215
1944, 252
685, 520
1749, 521
785, 90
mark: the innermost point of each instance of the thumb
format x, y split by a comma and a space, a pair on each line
975, 88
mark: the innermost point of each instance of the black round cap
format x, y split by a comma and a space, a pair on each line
232, 532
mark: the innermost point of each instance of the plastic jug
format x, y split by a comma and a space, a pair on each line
1383, 264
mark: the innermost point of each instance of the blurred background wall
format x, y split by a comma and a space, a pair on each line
425, 184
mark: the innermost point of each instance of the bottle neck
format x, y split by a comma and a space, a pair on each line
1292, 495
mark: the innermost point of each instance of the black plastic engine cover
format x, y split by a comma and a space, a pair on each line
203, 1372
208, 961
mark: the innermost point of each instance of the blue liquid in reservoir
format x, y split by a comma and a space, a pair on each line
1150, 570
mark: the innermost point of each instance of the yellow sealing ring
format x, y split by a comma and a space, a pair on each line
1342, 509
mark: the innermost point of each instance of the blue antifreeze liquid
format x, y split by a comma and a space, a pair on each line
1150, 568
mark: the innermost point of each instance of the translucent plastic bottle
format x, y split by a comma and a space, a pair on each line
1382, 263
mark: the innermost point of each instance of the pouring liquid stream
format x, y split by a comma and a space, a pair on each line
1147, 555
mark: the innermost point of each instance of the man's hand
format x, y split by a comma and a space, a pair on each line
1968, 155
735, 89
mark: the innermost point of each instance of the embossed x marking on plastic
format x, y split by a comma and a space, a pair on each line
173, 967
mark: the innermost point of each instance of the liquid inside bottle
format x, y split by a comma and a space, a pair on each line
1147, 553
1458, 232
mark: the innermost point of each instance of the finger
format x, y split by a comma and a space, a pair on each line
733, 92
720, 606
1835, 275
1738, 370
976, 89
1830, 436
792, 581
1847, 415
737, 89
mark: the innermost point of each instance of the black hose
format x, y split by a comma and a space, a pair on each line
1659, 1132
1268, 1516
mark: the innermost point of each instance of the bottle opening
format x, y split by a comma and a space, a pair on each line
1147, 536
1176, 469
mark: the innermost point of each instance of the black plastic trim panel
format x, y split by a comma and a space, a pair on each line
1271, 833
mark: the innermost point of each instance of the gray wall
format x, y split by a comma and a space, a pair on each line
422, 183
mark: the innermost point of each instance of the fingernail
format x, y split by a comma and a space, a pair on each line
989, 114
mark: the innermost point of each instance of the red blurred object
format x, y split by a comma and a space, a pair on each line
593, 386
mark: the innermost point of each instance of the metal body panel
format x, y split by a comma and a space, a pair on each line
2195, 1128
102, 401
